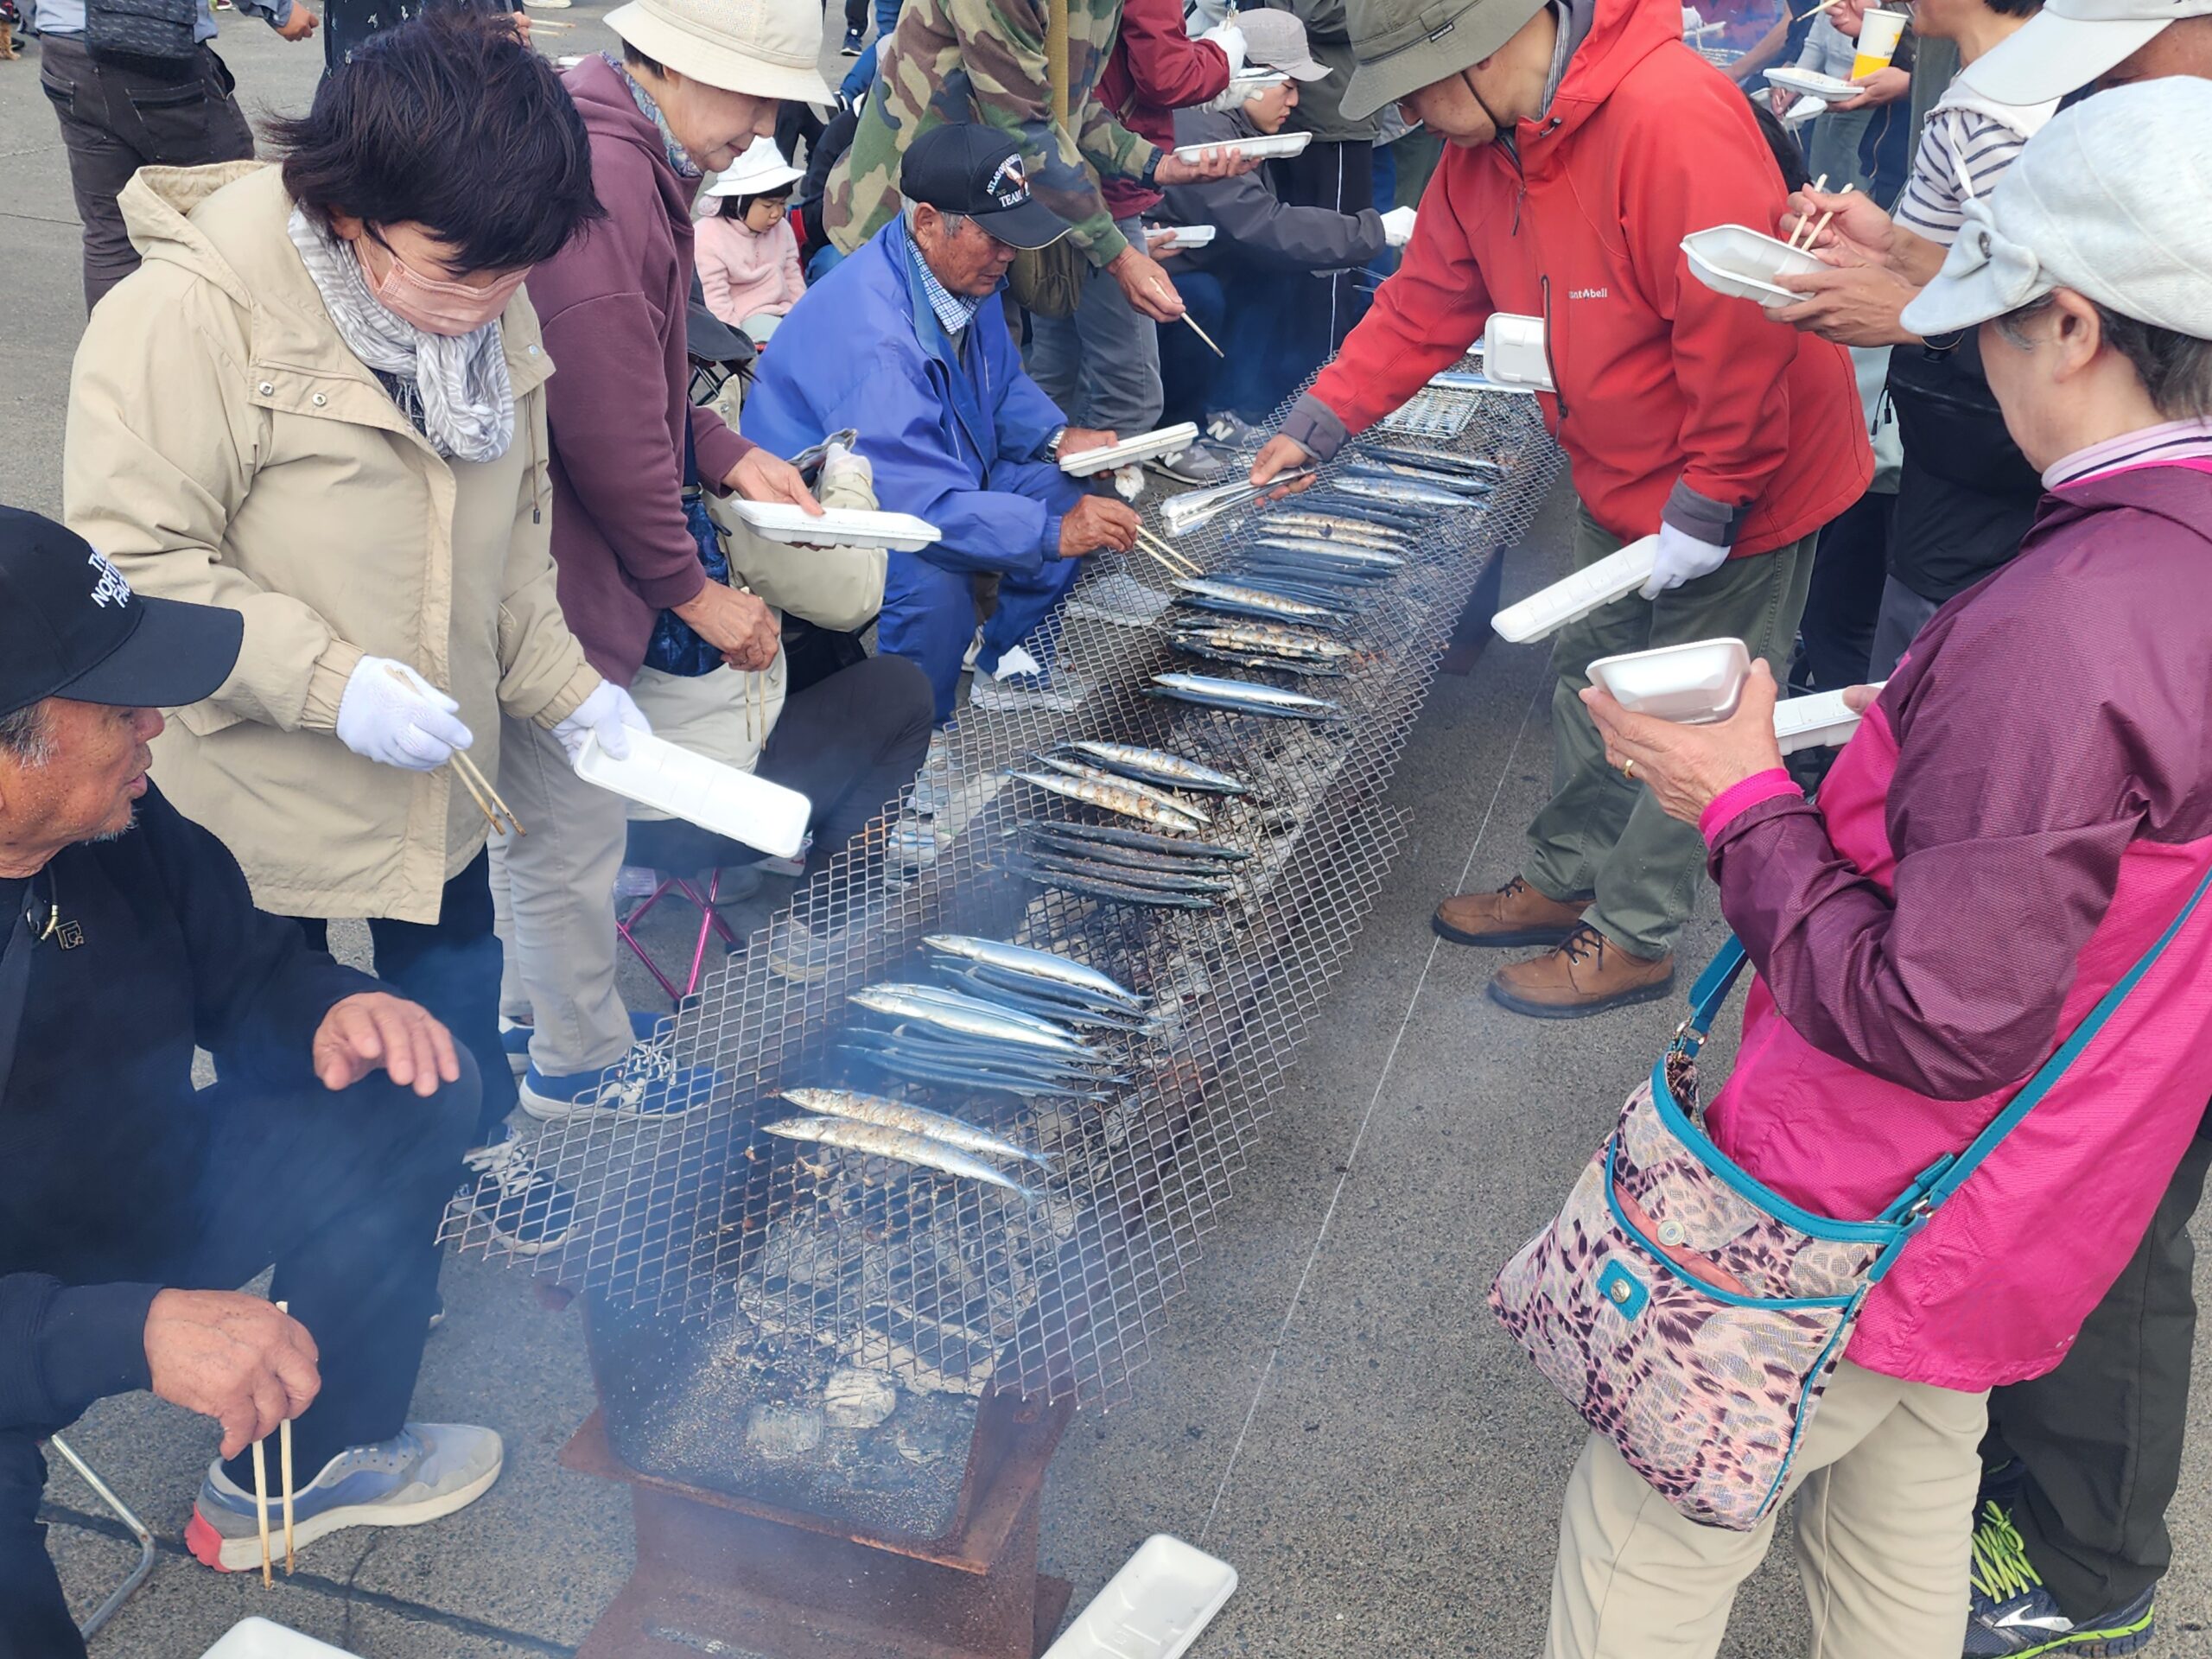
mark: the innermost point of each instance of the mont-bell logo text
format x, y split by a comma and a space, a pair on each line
1009, 185
108, 586
1589, 293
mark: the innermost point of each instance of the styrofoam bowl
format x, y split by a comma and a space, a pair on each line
1735, 260
1161, 441
1186, 236
1692, 684
257, 1639
1822, 720
1154, 1608
1571, 597
1268, 146
787, 521
1811, 83
715, 797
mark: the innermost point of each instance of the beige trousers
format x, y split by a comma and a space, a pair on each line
553, 900
1885, 1482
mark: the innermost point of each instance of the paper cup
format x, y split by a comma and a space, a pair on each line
1878, 32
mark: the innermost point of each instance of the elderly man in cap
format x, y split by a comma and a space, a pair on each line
1584, 141
134, 1202
906, 343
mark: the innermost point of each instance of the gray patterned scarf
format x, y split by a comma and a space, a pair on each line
454, 387
678, 158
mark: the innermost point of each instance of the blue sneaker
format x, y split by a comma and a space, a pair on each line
424, 1473
527, 1211
646, 1083
2013, 1617
514, 1036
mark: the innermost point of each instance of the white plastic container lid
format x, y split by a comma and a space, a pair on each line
783, 521
1692, 684
701, 791
1548, 609
1154, 1608
257, 1639
1266, 146
1820, 722
1162, 440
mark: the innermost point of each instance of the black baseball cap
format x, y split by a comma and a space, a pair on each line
71, 627
963, 168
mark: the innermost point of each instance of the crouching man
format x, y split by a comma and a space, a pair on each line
133, 1204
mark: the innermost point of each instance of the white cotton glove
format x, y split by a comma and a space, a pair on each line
1398, 227
609, 714
390, 714
1230, 39
1681, 557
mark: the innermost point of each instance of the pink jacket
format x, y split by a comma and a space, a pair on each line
2025, 809
745, 272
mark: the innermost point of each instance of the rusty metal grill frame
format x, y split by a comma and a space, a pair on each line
946, 1284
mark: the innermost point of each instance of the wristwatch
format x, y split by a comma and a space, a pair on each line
1052, 444
1151, 176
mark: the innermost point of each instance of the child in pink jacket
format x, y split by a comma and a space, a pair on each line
748, 259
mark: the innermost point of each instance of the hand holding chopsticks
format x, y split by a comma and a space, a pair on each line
1812, 235
261, 1487
496, 811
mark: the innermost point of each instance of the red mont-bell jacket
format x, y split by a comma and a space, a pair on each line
1662, 381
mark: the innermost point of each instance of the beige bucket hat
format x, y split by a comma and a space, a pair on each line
767, 48
1405, 45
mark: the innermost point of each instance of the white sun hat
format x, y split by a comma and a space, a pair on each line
2108, 200
767, 48
759, 170
2069, 44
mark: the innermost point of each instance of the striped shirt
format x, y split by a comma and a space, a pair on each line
1961, 149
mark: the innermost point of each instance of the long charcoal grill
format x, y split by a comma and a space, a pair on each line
803, 1250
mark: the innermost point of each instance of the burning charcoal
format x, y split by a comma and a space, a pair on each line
854, 1399
778, 1433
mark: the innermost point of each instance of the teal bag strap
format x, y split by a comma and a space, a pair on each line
1709, 995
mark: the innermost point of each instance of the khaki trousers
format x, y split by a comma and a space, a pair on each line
553, 896
1603, 833
1885, 1482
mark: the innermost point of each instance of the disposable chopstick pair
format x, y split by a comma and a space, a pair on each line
1822, 224
1175, 562
261, 1489
487, 799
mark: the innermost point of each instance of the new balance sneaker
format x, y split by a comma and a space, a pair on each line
514, 1036
424, 1473
1199, 464
1227, 427
646, 1083
2012, 1616
974, 650
527, 1209
851, 48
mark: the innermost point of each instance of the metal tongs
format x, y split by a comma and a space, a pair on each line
1196, 507
809, 461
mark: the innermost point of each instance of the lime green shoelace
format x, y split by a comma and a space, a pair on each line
2001, 1569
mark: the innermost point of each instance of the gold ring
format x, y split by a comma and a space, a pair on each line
1628, 769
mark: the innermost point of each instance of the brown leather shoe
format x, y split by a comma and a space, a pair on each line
1587, 974
1516, 914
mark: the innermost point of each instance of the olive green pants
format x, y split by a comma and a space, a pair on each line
1599, 832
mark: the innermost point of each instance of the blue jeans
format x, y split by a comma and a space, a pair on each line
1250, 382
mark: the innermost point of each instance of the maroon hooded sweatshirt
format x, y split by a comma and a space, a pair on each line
612, 306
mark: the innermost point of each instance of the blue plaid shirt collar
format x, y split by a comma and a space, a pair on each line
954, 311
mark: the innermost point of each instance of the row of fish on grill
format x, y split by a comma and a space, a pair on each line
1000, 1018
1301, 572
1174, 863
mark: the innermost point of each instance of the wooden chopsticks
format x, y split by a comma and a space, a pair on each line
261, 1489
1813, 234
1164, 554
488, 802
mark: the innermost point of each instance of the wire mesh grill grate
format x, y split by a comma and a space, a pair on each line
833, 1257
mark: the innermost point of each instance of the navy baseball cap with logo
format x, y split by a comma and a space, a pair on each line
976, 170
71, 627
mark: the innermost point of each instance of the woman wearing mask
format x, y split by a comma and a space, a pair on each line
321, 402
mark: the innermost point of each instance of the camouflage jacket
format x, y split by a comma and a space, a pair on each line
984, 61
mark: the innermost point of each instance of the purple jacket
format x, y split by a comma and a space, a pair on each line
2025, 809
613, 305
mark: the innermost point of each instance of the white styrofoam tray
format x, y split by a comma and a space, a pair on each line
1811, 83
257, 1639
701, 791
1820, 722
1513, 354
1267, 147
1161, 441
1735, 260
1186, 236
783, 521
1692, 684
1569, 599
1154, 1608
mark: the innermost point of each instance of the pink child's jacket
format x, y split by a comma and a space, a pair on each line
745, 272
2025, 811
